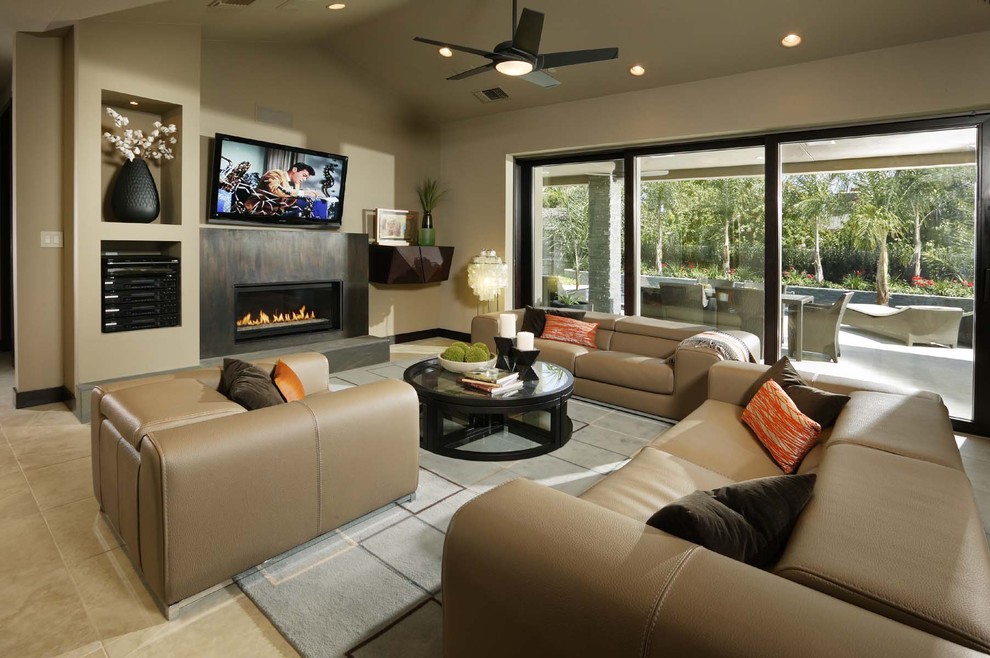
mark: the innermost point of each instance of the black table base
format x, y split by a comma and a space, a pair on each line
434, 439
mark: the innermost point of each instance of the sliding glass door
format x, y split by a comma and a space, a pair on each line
862, 252
879, 239
578, 233
701, 249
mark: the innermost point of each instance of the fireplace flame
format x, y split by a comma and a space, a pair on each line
250, 320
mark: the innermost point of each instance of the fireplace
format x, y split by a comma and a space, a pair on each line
278, 309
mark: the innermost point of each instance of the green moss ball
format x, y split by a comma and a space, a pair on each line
481, 345
463, 346
454, 353
477, 354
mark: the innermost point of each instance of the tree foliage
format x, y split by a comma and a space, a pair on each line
885, 226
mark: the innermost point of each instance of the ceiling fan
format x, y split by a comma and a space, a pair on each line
521, 56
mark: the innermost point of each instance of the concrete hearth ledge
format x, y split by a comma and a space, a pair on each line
343, 354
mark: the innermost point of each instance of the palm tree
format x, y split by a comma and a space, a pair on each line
565, 210
728, 201
660, 200
932, 193
822, 197
876, 216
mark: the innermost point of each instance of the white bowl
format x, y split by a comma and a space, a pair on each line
465, 366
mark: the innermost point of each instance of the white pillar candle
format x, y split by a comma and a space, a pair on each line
524, 341
507, 325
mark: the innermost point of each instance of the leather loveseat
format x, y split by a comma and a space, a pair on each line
639, 364
200, 489
889, 558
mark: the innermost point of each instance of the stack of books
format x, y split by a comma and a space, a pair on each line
492, 381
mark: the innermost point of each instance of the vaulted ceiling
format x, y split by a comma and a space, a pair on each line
677, 41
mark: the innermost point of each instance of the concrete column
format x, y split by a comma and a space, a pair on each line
605, 243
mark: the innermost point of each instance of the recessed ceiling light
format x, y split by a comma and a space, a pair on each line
134, 102
637, 70
336, 5
790, 41
446, 52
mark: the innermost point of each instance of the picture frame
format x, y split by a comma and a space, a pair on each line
395, 227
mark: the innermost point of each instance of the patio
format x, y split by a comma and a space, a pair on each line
946, 371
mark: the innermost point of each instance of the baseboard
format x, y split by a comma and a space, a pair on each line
41, 396
431, 333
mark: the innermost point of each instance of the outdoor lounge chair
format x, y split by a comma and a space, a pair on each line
821, 327
910, 324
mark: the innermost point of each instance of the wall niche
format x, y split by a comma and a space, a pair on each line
166, 173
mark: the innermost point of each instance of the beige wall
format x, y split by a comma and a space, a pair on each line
119, 57
37, 116
925, 79
330, 111
68, 208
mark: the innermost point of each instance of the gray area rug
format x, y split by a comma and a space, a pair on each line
372, 588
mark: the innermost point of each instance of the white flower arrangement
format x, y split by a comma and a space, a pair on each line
153, 146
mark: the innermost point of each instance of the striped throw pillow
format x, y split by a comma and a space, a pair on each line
784, 431
569, 330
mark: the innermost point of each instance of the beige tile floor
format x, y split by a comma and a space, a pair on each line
67, 589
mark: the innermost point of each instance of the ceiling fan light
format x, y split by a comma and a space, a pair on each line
445, 52
514, 67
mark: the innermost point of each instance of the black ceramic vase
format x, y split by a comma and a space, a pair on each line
135, 196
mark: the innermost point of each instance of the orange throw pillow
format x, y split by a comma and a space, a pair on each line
287, 382
784, 431
569, 330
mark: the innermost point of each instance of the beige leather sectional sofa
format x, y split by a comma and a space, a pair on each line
200, 489
639, 363
889, 558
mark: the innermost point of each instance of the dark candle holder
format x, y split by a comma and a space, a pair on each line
503, 347
523, 363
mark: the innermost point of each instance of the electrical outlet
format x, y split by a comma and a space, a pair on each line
51, 239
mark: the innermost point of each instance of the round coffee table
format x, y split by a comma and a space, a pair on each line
454, 416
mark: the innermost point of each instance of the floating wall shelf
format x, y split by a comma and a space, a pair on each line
412, 264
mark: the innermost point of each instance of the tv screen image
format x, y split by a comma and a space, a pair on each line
258, 182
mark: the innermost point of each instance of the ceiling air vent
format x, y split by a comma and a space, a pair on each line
491, 95
230, 4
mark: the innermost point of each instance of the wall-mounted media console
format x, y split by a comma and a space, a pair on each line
140, 292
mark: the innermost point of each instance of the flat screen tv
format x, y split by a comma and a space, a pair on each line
259, 183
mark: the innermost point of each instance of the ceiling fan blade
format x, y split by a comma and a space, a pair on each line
463, 49
540, 78
528, 32
470, 72
576, 57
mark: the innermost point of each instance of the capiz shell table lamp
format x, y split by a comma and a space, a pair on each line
487, 276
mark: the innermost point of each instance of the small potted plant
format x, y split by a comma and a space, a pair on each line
430, 194
569, 299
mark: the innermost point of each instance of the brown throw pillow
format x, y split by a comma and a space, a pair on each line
818, 405
749, 521
782, 372
248, 385
535, 318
